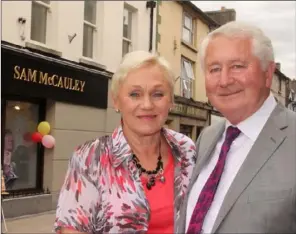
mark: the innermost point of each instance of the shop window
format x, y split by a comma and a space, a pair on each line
39, 20
22, 159
198, 131
186, 130
89, 27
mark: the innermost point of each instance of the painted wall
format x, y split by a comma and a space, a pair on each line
72, 124
170, 43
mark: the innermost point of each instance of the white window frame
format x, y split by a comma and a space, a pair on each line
47, 6
187, 78
94, 27
125, 39
184, 27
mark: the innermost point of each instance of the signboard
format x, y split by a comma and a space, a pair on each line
33, 76
190, 111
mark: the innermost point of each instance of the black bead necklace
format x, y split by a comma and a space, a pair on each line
153, 175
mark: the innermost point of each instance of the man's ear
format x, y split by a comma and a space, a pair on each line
269, 74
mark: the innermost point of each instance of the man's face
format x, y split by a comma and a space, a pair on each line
236, 85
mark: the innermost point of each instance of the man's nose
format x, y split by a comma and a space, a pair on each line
226, 78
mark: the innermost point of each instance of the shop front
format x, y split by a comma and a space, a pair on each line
216, 117
189, 117
34, 86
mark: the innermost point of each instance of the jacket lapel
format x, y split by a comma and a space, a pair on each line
205, 148
268, 141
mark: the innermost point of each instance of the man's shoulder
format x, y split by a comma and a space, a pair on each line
291, 114
213, 128
281, 113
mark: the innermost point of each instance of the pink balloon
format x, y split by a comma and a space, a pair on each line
48, 141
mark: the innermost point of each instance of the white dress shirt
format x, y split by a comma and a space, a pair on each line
250, 129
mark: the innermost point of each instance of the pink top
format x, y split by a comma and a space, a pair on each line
161, 201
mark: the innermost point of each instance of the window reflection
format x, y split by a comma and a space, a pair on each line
20, 153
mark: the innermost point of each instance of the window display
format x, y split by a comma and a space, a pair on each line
19, 151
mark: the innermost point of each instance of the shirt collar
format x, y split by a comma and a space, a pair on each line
121, 150
253, 125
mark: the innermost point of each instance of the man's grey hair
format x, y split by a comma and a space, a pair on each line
261, 44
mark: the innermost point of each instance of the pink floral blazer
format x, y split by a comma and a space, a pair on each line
103, 193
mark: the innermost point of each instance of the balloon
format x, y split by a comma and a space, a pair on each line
43, 128
27, 136
48, 141
36, 137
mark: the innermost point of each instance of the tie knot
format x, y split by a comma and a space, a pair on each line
232, 133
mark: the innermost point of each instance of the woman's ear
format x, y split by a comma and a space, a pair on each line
115, 102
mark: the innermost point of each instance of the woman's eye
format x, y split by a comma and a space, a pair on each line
134, 95
158, 95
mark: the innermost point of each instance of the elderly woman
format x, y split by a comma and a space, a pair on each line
134, 180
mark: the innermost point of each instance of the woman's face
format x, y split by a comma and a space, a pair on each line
144, 100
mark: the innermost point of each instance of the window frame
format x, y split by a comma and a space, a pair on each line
47, 6
40, 149
94, 28
191, 30
185, 78
125, 39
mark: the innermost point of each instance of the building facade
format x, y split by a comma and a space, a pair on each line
280, 86
292, 95
222, 16
180, 27
58, 58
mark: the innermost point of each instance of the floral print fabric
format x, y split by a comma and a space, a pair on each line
102, 191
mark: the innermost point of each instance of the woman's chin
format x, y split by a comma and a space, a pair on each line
147, 130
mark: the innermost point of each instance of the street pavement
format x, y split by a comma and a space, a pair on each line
37, 223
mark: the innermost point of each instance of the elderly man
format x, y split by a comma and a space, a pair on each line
245, 177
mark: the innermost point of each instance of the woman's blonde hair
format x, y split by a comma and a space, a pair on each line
137, 59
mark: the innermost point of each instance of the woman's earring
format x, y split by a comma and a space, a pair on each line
116, 110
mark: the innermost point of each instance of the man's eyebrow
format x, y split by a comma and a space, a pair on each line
236, 60
136, 86
213, 63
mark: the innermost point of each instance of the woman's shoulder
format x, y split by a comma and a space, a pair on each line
179, 138
88, 154
92, 144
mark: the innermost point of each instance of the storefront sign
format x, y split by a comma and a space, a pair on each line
32, 76
190, 111
40, 77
